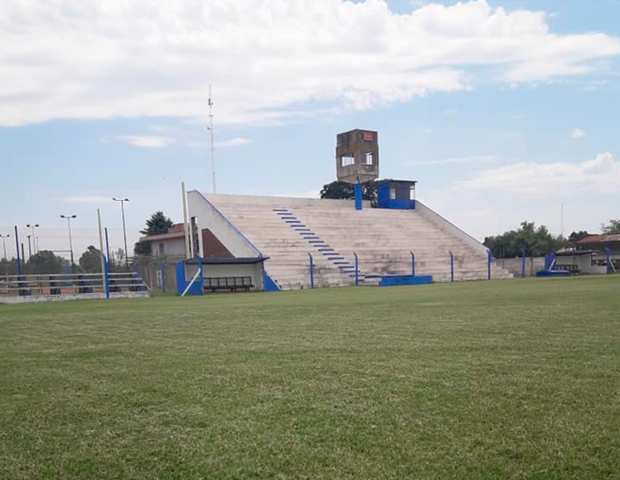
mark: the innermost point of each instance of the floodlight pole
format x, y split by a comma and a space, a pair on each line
211, 141
34, 238
4, 237
68, 219
122, 202
29, 247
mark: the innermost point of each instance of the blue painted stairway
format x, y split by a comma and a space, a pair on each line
313, 240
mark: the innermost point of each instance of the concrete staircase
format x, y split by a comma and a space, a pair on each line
288, 229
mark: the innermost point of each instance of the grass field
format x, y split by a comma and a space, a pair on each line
506, 379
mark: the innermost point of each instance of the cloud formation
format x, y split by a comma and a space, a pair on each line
125, 58
577, 133
600, 175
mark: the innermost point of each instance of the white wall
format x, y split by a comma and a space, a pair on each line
207, 216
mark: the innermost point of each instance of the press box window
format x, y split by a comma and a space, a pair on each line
347, 160
368, 158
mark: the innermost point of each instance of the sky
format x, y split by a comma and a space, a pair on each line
504, 111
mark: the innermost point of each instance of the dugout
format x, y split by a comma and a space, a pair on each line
196, 276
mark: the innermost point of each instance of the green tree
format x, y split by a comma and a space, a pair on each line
90, 261
142, 248
157, 224
45, 262
346, 191
612, 229
535, 241
8, 267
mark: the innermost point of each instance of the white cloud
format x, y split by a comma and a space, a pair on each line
577, 133
145, 141
453, 160
233, 142
91, 60
548, 180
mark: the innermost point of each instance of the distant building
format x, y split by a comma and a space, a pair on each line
600, 243
170, 244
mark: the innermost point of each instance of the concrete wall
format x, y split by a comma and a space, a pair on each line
207, 216
172, 247
513, 265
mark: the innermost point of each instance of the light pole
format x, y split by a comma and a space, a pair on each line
68, 219
4, 237
29, 248
34, 238
122, 201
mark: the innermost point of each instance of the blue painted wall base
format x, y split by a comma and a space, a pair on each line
396, 280
182, 282
268, 284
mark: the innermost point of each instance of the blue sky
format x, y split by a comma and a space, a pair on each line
501, 112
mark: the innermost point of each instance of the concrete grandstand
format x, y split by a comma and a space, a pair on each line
333, 231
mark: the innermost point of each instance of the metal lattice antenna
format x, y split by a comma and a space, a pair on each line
211, 141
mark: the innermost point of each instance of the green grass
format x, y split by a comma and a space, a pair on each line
507, 379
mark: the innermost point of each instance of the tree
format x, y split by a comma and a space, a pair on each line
346, 191
8, 267
90, 261
612, 229
142, 248
535, 242
156, 225
45, 262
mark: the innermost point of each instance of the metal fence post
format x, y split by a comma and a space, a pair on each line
451, 267
608, 253
489, 260
311, 270
106, 277
522, 263
412, 263
357, 270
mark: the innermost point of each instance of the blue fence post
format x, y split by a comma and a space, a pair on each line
489, 261
522, 263
451, 267
412, 263
311, 270
106, 278
608, 253
357, 270
358, 196
107, 243
162, 265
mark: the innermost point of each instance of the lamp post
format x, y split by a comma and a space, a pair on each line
68, 219
4, 237
29, 247
34, 238
122, 202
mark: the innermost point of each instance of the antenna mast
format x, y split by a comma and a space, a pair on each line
211, 141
